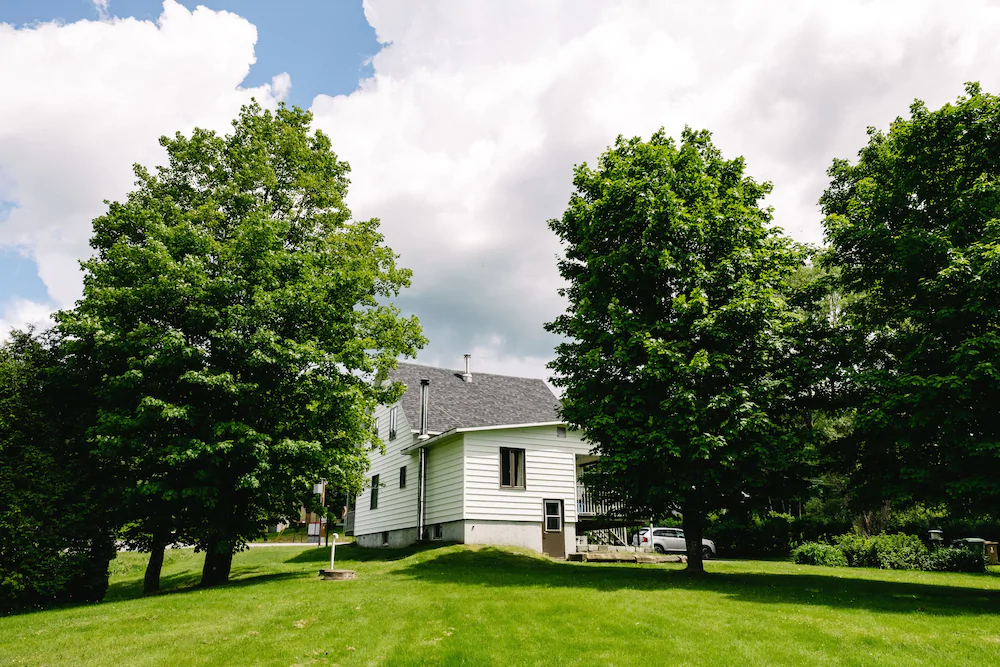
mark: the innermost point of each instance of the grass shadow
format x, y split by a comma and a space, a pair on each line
500, 568
355, 554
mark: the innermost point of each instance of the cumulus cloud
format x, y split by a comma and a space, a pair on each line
463, 141
22, 314
84, 101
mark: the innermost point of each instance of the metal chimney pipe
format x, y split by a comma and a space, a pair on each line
425, 390
467, 376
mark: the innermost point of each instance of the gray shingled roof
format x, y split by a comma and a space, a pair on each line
489, 400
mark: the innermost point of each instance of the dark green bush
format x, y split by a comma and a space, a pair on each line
886, 552
753, 535
814, 553
962, 559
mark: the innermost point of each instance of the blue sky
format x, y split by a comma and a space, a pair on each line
324, 45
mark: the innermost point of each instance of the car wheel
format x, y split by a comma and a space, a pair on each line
659, 549
706, 553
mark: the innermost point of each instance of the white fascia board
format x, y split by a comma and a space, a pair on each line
438, 437
503, 426
433, 440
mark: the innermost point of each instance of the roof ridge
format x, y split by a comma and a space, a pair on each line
459, 372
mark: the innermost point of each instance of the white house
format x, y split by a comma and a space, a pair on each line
480, 459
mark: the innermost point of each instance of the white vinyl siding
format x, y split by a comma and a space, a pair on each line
444, 482
550, 473
397, 508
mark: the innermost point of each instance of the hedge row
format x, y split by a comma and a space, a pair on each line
889, 552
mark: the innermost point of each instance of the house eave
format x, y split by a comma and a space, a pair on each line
440, 437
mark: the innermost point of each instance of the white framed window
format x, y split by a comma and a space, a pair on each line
402, 477
560, 431
392, 423
511, 468
373, 505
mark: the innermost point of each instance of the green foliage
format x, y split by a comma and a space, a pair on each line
241, 318
889, 552
761, 534
815, 553
884, 551
56, 513
963, 559
676, 358
914, 227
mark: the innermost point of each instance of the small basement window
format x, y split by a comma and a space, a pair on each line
402, 477
385, 538
511, 468
374, 498
436, 532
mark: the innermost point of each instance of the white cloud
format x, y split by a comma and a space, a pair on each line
102, 8
85, 101
23, 313
464, 139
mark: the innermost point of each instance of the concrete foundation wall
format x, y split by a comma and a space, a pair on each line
397, 538
527, 534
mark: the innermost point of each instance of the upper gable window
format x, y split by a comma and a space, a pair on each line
560, 431
392, 423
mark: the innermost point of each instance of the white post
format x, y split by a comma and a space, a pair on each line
333, 548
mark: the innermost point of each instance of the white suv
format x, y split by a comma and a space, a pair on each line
671, 540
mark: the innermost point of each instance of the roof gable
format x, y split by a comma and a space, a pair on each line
489, 400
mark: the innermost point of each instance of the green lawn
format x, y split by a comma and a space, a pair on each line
461, 605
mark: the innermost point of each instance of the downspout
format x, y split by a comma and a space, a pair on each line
425, 388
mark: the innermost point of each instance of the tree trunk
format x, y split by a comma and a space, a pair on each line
218, 562
151, 583
694, 529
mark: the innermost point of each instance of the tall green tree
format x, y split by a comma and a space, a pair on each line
240, 316
57, 500
676, 363
914, 224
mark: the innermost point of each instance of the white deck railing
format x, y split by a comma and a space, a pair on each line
589, 503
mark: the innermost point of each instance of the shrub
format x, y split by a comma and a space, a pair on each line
886, 552
814, 553
753, 535
962, 559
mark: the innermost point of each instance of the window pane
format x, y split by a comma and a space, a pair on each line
505, 466
551, 509
519, 471
552, 523
402, 477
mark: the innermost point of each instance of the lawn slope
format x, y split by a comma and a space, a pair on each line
459, 605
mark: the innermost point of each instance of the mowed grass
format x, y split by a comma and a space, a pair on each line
458, 605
